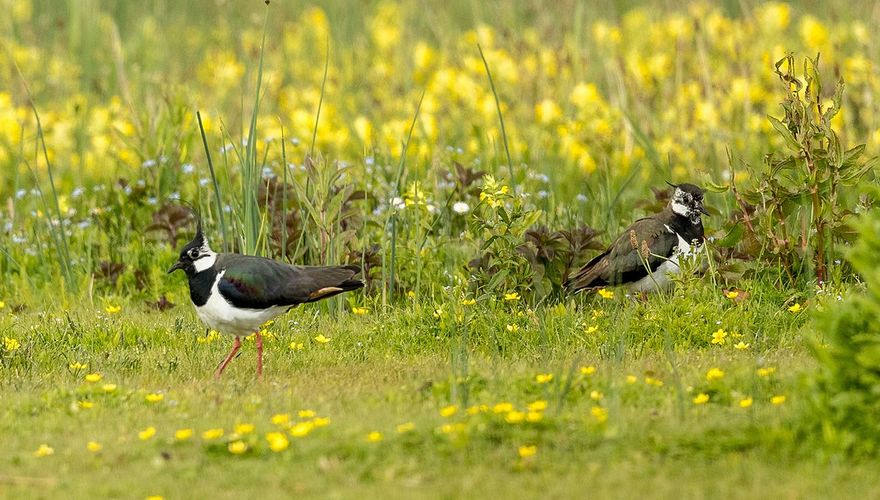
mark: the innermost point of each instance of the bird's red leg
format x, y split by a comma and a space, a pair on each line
259, 342
235, 347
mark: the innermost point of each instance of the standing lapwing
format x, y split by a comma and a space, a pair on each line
655, 242
235, 294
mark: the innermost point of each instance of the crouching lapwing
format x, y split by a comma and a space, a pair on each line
655, 242
235, 294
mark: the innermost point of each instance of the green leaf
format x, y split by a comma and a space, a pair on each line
786, 134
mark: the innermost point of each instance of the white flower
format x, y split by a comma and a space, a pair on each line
398, 203
461, 207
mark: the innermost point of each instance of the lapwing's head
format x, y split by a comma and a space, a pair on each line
687, 201
196, 256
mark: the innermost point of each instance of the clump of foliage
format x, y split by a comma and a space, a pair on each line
848, 384
798, 209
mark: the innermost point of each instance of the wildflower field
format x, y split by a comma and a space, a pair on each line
468, 156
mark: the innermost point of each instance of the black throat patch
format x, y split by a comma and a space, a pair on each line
200, 286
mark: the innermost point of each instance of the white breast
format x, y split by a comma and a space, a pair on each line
219, 314
659, 279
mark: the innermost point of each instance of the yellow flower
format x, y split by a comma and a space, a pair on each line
714, 374
741, 346
85, 405
2, 304
745, 402
155, 497
147, 433
512, 296
243, 428
795, 308
547, 111
527, 451
297, 346
302, 429
281, 419
93, 377
534, 416
406, 427
94, 446
448, 411
468, 302
606, 294
44, 451
539, 405
237, 447
599, 414
321, 339
718, 338
10, 344
513, 328
766, 372
656, 382
321, 421
631, 379
108, 387
588, 370
183, 434
212, 434
502, 408
701, 398
360, 311
374, 437
515, 417
777, 400
306, 413
596, 395
154, 397
278, 442
77, 366
732, 294
112, 309
813, 32
543, 378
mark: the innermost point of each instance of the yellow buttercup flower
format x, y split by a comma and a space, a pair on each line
10, 344
543, 378
93, 377
766, 372
599, 414
278, 442
719, 336
777, 400
714, 374
406, 427
182, 434
44, 451
306, 413
741, 346
147, 433
282, 419
606, 294
320, 421
212, 434
154, 397
515, 417
321, 339
237, 447
539, 405
302, 429
631, 379
511, 297
360, 311
374, 437
243, 428
111, 309
527, 451
795, 308
588, 370
468, 302
108, 387
448, 411
94, 446
701, 398
502, 408
745, 402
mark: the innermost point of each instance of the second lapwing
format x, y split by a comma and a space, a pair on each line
648, 251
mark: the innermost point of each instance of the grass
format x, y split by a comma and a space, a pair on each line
382, 370
379, 152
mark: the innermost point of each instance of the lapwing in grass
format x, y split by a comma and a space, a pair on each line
648, 251
235, 294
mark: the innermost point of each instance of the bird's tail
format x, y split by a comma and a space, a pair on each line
333, 280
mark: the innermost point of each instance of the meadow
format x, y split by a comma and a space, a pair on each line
468, 156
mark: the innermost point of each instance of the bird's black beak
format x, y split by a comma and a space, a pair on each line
702, 209
177, 265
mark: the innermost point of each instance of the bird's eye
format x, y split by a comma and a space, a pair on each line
193, 253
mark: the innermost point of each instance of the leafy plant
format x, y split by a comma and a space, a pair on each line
847, 399
798, 209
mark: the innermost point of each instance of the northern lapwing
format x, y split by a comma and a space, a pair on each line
655, 242
235, 294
